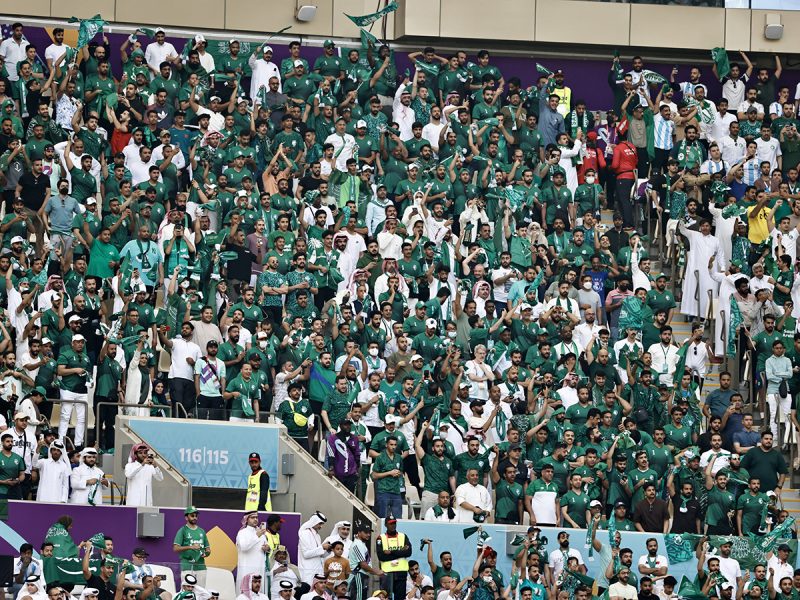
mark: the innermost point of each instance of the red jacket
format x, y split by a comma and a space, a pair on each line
625, 160
592, 159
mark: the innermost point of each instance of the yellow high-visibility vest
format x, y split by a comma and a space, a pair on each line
393, 543
254, 492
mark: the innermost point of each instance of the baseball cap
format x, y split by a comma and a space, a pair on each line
17, 239
78, 338
20, 415
390, 420
525, 306
254, 455
594, 503
299, 63
91, 200
266, 49
416, 357
464, 385
46, 340
328, 43
189, 511
217, 98
361, 123
431, 323
74, 318
140, 552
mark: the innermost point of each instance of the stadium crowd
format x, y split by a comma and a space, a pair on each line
411, 273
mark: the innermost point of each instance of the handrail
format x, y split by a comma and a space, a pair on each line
709, 312
697, 288
183, 408
724, 337
100, 405
86, 419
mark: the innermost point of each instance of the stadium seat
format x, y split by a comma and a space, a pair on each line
221, 581
168, 577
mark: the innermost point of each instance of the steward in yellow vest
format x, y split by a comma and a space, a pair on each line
393, 549
257, 496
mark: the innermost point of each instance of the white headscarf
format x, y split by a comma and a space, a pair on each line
316, 519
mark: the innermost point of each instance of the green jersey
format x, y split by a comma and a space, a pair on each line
752, 508
438, 472
384, 463
194, 558
507, 501
73, 360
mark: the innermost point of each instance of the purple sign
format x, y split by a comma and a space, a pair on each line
29, 522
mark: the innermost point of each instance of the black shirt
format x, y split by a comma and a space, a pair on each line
34, 190
241, 267
684, 522
309, 183
618, 239
106, 589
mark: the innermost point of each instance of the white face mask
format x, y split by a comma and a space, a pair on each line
487, 578
451, 335
262, 345
373, 352
587, 285
590, 179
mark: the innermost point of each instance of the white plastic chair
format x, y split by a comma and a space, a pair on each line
167, 577
221, 581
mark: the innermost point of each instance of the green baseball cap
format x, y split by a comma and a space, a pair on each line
189, 510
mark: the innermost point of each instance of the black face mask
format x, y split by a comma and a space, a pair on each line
63, 190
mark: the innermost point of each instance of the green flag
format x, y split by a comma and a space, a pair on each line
470, 531
540, 68
365, 20
681, 546
367, 38
501, 424
631, 314
150, 33
734, 321
87, 29
98, 539
720, 58
681, 366
689, 590
653, 77
537, 281
427, 68
228, 256
65, 566
518, 539
273, 34
769, 541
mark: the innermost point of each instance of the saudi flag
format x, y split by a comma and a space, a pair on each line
427, 68
367, 38
501, 424
365, 20
689, 590
540, 68
653, 77
720, 58
750, 551
87, 29
65, 566
769, 541
150, 33
734, 321
681, 546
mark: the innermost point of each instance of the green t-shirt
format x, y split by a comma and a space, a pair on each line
437, 473
678, 437
720, 502
249, 391
752, 508
72, 360
507, 499
577, 505
192, 559
635, 477
660, 458
10, 468
287, 411
384, 463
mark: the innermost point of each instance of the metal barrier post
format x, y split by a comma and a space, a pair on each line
101, 405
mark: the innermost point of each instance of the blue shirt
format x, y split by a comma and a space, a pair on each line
60, 211
718, 402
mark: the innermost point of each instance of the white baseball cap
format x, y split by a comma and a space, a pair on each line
17, 239
74, 318
266, 49
416, 357
361, 123
299, 63
78, 338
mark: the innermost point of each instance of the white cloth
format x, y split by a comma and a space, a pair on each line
140, 479
335, 537
768, 150
54, 479
724, 231
721, 126
727, 287
733, 150
620, 590
697, 358
697, 281
723, 460
403, 115
251, 557
80, 489
344, 148
567, 154
310, 552
476, 495
133, 388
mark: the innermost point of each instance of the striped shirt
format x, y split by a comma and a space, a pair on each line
751, 172
358, 553
688, 88
711, 166
664, 131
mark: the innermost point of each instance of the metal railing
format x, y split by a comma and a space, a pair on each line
98, 422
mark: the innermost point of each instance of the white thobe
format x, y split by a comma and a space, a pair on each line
665, 361
476, 495
140, 483
80, 490
567, 154
727, 288
251, 557
53, 480
724, 231
309, 554
263, 71
698, 286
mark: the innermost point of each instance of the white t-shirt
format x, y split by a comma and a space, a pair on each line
621, 590
559, 558
54, 51
722, 126
788, 241
730, 569
181, 350
157, 53
660, 561
768, 150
